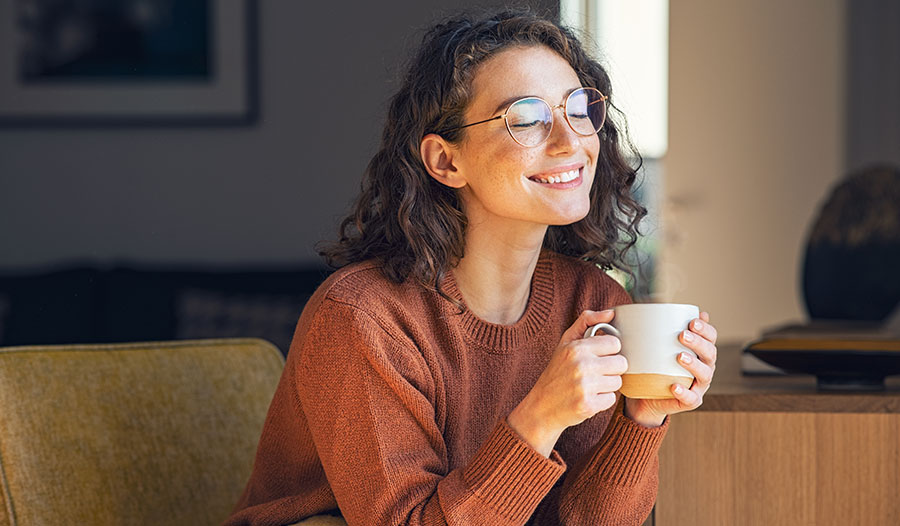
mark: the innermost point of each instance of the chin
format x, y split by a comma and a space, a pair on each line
569, 218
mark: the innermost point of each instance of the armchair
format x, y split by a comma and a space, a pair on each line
159, 433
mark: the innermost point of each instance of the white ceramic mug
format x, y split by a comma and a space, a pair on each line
649, 335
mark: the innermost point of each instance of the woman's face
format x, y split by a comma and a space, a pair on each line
505, 181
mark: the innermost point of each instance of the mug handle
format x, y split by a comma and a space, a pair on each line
607, 328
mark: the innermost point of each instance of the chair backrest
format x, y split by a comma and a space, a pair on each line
144, 433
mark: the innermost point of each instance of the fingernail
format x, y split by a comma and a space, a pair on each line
686, 358
678, 389
688, 336
698, 325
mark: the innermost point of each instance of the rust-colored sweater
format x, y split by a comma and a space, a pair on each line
393, 406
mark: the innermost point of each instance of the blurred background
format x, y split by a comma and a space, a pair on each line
180, 160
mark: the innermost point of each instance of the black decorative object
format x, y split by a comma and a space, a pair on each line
851, 269
834, 369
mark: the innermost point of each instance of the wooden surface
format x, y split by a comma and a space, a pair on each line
760, 468
773, 451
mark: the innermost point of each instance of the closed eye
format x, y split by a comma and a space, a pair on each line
527, 124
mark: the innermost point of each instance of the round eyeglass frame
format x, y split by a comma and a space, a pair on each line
603, 99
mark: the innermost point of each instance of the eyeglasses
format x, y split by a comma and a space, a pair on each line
530, 120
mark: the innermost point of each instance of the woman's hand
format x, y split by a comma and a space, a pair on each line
580, 381
700, 337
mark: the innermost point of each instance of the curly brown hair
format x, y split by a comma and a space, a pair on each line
415, 225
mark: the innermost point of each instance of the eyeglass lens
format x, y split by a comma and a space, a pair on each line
530, 120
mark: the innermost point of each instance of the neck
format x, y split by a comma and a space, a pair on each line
494, 276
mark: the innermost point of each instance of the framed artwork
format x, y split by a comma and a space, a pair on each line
127, 62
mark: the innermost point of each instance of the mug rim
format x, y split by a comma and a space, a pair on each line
656, 305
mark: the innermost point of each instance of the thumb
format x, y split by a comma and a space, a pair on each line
585, 320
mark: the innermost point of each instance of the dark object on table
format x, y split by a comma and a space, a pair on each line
851, 286
845, 356
852, 266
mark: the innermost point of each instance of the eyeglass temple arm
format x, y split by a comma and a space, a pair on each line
474, 123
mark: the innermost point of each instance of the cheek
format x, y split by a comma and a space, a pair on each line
503, 165
593, 148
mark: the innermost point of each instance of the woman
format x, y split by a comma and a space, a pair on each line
440, 376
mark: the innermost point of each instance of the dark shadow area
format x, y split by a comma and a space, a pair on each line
84, 304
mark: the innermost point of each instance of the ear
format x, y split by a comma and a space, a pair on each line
438, 157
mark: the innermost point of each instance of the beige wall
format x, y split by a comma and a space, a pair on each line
755, 142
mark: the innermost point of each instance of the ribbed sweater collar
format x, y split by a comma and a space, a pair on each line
498, 338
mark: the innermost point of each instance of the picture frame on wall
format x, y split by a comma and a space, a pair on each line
128, 62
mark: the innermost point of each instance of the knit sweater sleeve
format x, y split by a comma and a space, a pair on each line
369, 397
616, 482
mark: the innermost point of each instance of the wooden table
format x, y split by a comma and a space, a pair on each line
773, 451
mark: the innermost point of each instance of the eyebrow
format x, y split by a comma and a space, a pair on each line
503, 105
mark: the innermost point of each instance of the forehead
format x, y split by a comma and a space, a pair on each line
521, 71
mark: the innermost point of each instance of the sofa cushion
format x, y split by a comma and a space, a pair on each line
148, 433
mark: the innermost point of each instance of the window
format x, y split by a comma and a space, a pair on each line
631, 40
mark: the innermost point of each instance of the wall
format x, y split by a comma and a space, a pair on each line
873, 83
756, 140
262, 194
757, 101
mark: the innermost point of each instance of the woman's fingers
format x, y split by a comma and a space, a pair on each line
612, 365
705, 349
603, 345
598, 366
702, 372
587, 319
606, 384
689, 398
700, 337
702, 327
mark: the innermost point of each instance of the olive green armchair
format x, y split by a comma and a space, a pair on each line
160, 433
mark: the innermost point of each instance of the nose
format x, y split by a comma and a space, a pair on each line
563, 138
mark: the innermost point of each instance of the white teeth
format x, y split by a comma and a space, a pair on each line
569, 176
564, 177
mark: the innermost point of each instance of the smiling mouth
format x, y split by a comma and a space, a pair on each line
562, 177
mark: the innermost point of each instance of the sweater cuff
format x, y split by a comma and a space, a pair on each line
624, 453
510, 476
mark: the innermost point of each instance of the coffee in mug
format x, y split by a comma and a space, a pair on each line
649, 335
